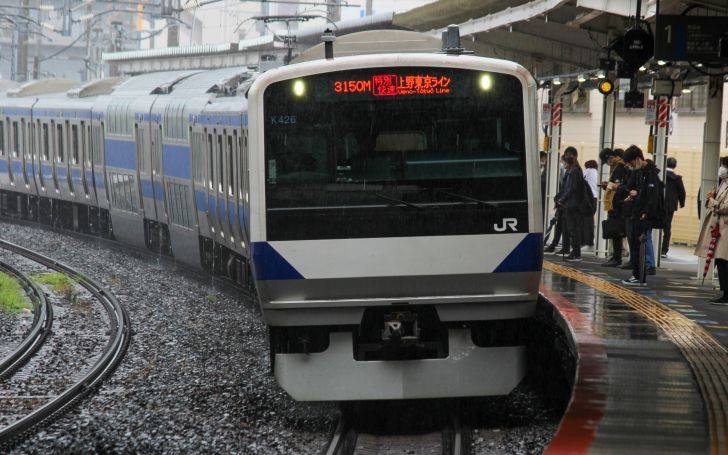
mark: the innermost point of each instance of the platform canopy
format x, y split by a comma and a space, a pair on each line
548, 37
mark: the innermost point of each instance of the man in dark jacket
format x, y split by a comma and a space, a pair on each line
617, 175
674, 195
571, 197
647, 204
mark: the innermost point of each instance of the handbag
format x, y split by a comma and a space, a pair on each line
613, 228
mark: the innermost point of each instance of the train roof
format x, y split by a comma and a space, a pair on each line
153, 83
6, 85
220, 81
42, 87
96, 87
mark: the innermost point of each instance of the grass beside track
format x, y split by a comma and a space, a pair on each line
12, 295
60, 283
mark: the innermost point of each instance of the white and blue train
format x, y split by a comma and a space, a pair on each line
385, 207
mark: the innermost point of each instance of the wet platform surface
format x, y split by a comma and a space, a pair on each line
653, 376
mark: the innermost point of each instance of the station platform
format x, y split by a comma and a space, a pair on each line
652, 373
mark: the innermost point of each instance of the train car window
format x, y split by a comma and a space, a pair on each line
46, 143
14, 144
231, 166
26, 147
98, 145
2, 138
86, 143
220, 163
59, 143
394, 152
75, 146
198, 158
211, 164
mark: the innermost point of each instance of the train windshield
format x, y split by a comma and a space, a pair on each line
393, 152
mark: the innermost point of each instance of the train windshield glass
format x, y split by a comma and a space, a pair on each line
392, 152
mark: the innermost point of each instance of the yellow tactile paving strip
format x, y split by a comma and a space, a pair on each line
706, 356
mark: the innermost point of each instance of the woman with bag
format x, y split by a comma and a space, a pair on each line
717, 214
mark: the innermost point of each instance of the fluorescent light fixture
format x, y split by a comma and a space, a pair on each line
86, 17
686, 90
601, 74
643, 68
581, 78
556, 81
661, 62
46, 7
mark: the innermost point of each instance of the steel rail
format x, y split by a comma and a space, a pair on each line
42, 324
454, 439
114, 351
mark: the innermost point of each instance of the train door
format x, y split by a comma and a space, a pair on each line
44, 155
210, 189
157, 176
3, 148
75, 161
242, 183
87, 168
230, 186
220, 184
26, 152
97, 164
141, 133
14, 139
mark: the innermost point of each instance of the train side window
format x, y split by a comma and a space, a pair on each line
2, 137
46, 143
85, 143
231, 166
220, 163
25, 146
74, 144
14, 146
59, 143
98, 145
211, 164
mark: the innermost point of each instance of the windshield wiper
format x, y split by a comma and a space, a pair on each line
408, 204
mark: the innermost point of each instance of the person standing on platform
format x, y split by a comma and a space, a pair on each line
617, 175
570, 200
560, 227
591, 177
717, 213
674, 196
648, 210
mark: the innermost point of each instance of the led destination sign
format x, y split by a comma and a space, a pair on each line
395, 85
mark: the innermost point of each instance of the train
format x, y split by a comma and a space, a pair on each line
385, 208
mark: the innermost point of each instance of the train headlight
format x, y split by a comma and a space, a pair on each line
299, 88
486, 82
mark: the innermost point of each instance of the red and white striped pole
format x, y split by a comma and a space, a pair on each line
662, 125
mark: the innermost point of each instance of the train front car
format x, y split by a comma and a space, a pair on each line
395, 224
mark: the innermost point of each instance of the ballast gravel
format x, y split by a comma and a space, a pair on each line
196, 378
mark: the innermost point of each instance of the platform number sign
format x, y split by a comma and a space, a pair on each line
691, 38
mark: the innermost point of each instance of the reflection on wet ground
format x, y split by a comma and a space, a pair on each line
654, 403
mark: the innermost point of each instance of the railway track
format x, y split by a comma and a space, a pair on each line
119, 336
42, 323
448, 437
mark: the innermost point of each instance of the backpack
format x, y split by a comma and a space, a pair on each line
659, 220
587, 206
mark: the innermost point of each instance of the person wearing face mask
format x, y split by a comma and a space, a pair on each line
617, 175
560, 227
570, 199
717, 215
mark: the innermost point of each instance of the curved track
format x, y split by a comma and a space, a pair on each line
42, 323
114, 351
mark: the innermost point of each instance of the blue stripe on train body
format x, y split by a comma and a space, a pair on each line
527, 256
177, 161
121, 154
268, 264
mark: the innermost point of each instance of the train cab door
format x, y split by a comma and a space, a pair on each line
141, 134
157, 176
